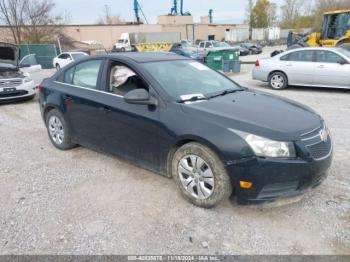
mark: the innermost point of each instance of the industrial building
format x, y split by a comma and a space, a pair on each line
175, 21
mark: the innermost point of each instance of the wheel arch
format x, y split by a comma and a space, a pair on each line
278, 71
48, 108
186, 140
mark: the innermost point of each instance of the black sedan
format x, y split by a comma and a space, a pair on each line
254, 49
178, 118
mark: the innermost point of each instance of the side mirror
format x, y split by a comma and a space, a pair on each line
343, 62
140, 97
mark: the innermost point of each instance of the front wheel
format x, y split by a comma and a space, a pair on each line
278, 81
58, 130
201, 175
58, 67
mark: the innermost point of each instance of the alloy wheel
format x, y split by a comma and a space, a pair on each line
277, 81
196, 177
56, 130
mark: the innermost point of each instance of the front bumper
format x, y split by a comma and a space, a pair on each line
273, 179
21, 92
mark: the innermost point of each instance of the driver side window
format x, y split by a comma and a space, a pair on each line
123, 80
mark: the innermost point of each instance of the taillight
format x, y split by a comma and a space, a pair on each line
40, 88
257, 63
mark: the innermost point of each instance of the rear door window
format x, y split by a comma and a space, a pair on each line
299, 56
63, 56
86, 74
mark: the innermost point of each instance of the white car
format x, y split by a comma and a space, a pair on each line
319, 67
15, 82
207, 46
66, 58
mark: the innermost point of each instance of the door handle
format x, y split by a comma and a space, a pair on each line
105, 109
321, 66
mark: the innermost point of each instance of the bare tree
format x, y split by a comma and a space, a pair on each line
108, 19
12, 14
272, 14
249, 16
291, 10
31, 21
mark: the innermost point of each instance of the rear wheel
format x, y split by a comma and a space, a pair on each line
58, 67
278, 81
58, 130
200, 175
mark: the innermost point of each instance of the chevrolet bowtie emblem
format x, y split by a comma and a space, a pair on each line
324, 135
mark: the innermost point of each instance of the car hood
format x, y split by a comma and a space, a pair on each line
9, 54
257, 113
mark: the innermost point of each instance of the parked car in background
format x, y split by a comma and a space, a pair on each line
321, 67
187, 53
207, 46
181, 119
192, 53
66, 58
15, 82
242, 50
254, 49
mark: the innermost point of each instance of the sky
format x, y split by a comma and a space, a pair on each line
87, 12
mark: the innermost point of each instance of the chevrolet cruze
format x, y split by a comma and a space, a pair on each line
178, 118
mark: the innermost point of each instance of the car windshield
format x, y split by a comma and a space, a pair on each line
344, 52
121, 41
184, 79
216, 44
6, 65
225, 44
78, 56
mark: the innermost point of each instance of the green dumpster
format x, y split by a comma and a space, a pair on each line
222, 59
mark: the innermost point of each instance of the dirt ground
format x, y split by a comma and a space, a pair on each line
83, 202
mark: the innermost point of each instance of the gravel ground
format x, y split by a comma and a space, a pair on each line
83, 202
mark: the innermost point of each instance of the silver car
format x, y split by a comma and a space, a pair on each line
321, 67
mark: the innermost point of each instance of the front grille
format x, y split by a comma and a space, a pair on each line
318, 142
10, 83
320, 150
12, 94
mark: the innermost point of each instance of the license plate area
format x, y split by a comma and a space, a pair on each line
9, 90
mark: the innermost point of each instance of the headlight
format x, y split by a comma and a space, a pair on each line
27, 79
264, 147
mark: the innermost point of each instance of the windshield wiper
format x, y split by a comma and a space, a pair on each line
192, 99
225, 92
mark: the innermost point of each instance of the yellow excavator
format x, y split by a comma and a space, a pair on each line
335, 32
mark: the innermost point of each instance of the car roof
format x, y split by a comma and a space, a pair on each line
315, 48
72, 53
146, 56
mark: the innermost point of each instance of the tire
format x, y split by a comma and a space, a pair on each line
205, 190
278, 81
345, 46
123, 49
62, 140
58, 67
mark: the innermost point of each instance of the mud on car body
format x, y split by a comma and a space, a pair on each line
177, 117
